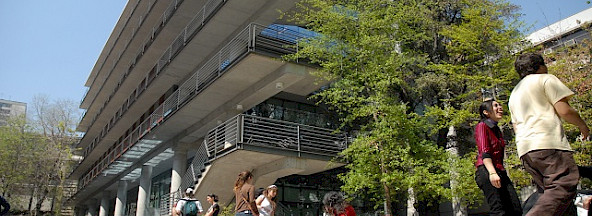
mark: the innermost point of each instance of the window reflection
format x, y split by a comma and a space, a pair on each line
296, 112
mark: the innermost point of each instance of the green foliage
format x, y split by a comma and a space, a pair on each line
403, 73
19, 150
36, 155
227, 210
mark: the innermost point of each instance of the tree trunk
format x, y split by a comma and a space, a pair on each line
387, 193
411, 211
31, 200
40, 202
452, 147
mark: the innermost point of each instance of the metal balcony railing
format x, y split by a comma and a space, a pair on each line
244, 130
566, 43
198, 21
149, 5
253, 38
193, 173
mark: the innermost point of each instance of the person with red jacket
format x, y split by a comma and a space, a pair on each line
491, 176
336, 205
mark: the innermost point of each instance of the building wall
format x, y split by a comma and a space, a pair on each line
10, 109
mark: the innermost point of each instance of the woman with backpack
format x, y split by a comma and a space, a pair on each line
187, 206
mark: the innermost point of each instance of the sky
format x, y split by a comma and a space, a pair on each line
50, 47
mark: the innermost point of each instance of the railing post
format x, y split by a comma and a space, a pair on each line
298, 139
252, 38
239, 125
215, 141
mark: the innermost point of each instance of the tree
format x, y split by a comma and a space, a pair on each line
55, 122
17, 143
35, 157
404, 73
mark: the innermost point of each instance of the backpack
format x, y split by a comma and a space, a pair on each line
190, 208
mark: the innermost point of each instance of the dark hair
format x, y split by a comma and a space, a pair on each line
214, 197
486, 105
528, 63
242, 178
334, 200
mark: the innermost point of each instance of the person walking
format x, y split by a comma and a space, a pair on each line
188, 206
265, 202
537, 104
244, 194
335, 205
214, 209
491, 176
5, 206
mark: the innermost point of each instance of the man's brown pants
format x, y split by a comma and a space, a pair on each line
556, 173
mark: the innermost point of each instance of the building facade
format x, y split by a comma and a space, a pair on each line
192, 92
9, 109
564, 33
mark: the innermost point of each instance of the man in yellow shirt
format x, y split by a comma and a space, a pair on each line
537, 104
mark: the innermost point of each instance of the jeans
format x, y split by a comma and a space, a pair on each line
243, 214
503, 200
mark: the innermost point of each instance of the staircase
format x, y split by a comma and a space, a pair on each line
69, 189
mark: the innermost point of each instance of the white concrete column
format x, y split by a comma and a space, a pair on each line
104, 208
144, 190
91, 206
121, 199
179, 168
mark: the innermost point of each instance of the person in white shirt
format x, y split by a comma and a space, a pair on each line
265, 202
188, 197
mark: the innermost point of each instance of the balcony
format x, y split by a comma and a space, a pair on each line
272, 148
199, 20
130, 152
273, 136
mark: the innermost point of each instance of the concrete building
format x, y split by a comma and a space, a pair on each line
10, 109
190, 93
563, 33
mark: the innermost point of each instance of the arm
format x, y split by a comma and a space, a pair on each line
252, 201
210, 212
258, 201
178, 207
199, 207
493, 177
569, 114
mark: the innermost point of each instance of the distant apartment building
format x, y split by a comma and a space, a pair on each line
563, 33
192, 92
10, 109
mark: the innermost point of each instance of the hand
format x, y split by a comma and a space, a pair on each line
495, 180
587, 201
585, 133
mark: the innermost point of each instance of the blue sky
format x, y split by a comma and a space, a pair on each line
50, 47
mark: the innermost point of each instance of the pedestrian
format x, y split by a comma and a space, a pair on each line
5, 206
537, 104
491, 175
214, 209
188, 206
335, 205
265, 202
244, 194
